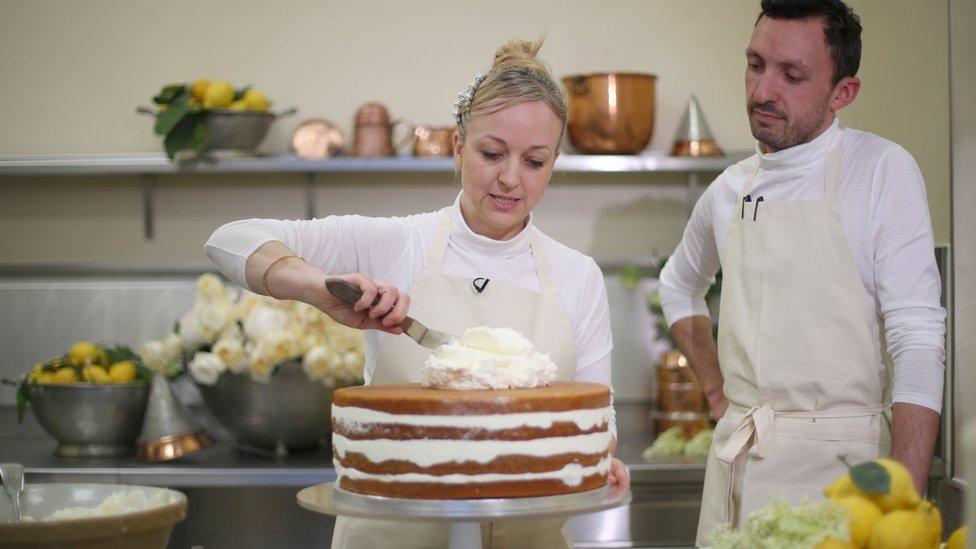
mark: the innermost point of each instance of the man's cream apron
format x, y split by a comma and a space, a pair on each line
800, 349
453, 304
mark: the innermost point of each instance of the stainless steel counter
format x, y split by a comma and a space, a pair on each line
226, 486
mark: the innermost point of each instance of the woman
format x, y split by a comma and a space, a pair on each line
478, 262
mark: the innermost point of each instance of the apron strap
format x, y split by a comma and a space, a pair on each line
546, 283
438, 247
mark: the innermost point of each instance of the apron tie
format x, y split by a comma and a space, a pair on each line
758, 421
754, 432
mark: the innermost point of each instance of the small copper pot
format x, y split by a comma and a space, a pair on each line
374, 131
610, 113
433, 141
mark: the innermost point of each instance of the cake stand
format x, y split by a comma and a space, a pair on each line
464, 515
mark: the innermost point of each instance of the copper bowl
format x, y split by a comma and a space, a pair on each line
610, 113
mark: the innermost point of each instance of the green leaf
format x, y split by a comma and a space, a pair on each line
186, 135
169, 94
871, 477
239, 93
118, 353
23, 398
170, 118
176, 327
630, 276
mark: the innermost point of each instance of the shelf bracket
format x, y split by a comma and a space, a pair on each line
310, 181
148, 195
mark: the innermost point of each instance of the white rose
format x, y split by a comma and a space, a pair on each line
172, 347
316, 362
211, 289
280, 345
206, 368
153, 354
231, 352
190, 332
261, 320
352, 363
214, 319
260, 369
342, 338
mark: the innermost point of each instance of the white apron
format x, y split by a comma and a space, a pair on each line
800, 349
453, 304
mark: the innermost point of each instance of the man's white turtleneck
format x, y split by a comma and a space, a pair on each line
884, 213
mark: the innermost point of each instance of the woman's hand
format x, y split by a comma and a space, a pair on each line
619, 477
388, 312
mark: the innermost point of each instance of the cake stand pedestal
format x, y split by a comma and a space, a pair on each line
464, 515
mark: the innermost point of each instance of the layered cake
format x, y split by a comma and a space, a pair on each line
487, 422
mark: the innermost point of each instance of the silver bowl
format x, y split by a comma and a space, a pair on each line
91, 420
289, 412
237, 130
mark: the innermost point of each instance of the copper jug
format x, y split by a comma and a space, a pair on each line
374, 131
433, 141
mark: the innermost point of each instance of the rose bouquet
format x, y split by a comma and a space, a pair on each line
230, 330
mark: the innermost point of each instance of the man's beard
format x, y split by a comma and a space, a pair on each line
792, 133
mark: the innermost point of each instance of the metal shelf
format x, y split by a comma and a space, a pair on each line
151, 165
158, 164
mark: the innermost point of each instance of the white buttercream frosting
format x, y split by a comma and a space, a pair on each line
427, 452
571, 475
353, 419
488, 358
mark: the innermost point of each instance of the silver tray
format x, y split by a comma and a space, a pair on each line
329, 499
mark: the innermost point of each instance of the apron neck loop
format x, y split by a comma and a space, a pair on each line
438, 247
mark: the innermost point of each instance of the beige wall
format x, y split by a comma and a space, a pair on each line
73, 73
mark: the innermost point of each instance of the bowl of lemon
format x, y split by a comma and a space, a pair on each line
211, 116
92, 399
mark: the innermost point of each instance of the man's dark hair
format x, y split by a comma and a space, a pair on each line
842, 28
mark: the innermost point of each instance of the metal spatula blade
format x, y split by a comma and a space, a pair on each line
423, 335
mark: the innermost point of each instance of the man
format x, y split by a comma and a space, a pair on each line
826, 251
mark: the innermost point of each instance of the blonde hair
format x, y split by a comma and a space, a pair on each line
517, 75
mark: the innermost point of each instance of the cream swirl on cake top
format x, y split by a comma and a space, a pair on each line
488, 358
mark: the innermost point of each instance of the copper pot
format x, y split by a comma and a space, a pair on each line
433, 141
610, 113
374, 131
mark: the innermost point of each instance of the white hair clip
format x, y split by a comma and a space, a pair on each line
463, 103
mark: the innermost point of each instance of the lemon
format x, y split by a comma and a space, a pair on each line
832, 543
842, 487
84, 352
65, 375
199, 88
218, 95
122, 372
928, 510
864, 516
902, 494
239, 105
44, 378
256, 101
902, 529
37, 371
95, 374
958, 539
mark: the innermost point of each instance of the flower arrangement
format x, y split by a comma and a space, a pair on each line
245, 333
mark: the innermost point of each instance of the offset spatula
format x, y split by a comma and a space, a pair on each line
417, 331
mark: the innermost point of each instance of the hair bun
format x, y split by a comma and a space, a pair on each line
520, 54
